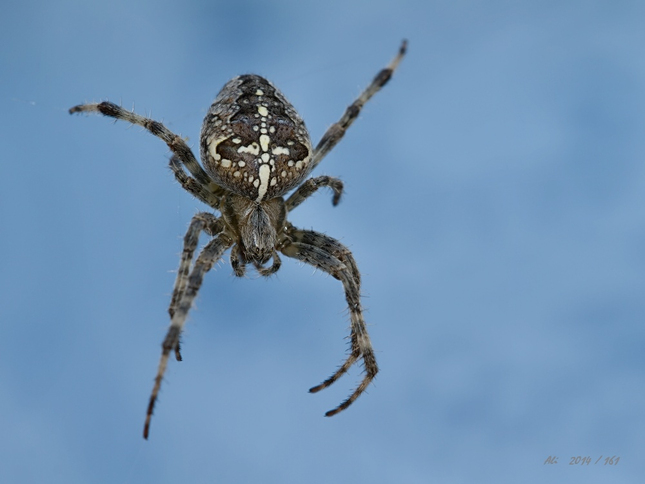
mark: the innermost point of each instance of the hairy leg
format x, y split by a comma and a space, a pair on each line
309, 187
176, 143
209, 194
319, 253
202, 222
205, 261
337, 130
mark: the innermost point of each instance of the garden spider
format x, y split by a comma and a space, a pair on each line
255, 148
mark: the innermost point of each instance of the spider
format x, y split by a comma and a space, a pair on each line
254, 149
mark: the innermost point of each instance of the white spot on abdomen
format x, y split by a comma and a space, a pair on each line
264, 181
279, 150
264, 142
253, 148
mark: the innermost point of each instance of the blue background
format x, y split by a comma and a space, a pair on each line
495, 204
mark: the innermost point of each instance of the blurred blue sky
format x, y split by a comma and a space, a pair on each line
495, 204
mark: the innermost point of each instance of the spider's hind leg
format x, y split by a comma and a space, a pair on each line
331, 256
209, 194
175, 142
337, 130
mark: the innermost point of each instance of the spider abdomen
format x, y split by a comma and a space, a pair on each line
253, 142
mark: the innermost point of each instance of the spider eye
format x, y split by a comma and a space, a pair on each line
253, 141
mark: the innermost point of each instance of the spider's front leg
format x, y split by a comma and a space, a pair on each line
334, 258
185, 291
202, 222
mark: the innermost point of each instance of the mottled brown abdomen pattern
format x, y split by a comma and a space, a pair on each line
253, 142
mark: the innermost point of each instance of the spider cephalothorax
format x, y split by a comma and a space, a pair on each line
255, 148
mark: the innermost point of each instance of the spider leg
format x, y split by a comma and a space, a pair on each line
211, 253
328, 244
337, 130
209, 194
176, 143
205, 222
310, 187
201, 222
332, 257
